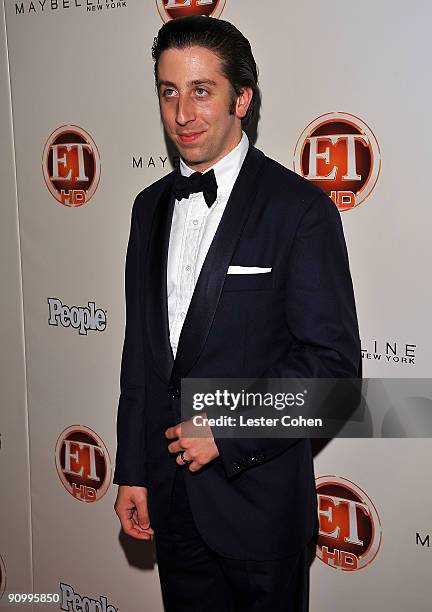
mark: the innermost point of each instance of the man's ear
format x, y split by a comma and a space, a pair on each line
243, 102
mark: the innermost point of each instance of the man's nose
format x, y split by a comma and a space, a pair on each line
185, 110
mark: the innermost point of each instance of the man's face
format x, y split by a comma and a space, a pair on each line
195, 99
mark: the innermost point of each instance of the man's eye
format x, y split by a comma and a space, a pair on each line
201, 92
168, 93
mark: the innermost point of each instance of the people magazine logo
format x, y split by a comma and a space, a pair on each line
83, 463
71, 165
2, 578
340, 153
82, 318
349, 534
171, 9
72, 601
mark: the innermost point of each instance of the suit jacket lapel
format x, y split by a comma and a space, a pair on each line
155, 287
208, 288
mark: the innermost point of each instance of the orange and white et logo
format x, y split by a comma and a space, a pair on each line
2, 577
71, 165
171, 9
349, 526
340, 153
83, 463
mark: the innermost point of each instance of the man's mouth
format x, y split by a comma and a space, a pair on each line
189, 138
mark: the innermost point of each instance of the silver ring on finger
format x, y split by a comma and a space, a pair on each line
185, 461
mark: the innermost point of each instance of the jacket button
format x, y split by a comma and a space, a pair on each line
175, 393
236, 465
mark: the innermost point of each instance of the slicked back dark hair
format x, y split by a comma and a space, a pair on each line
224, 39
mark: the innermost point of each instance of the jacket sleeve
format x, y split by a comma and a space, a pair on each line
321, 317
130, 466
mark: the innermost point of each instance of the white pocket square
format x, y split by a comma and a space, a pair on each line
247, 270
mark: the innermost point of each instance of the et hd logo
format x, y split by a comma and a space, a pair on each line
83, 463
350, 533
171, 9
71, 165
340, 153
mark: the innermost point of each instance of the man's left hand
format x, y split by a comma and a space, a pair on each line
201, 450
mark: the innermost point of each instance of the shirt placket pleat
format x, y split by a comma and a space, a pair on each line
186, 270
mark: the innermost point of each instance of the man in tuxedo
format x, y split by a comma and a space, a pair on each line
236, 268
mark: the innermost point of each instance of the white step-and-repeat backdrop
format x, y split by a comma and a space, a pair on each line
347, 103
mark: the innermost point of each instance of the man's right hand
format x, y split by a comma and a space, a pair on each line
131, 508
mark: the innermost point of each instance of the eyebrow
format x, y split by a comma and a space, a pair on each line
190, 83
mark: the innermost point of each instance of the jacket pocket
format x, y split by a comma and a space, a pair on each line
248, 282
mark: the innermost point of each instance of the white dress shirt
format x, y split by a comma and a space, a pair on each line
193, 227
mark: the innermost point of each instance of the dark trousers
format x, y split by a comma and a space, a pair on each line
194, 578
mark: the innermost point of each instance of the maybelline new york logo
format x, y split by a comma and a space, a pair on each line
349, 526
83, 463
340, 153
71, 165
82, 318
33, 7
391, 352
423, 540
73, 601
171, 9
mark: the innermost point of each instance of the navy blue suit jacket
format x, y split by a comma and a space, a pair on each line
257, 500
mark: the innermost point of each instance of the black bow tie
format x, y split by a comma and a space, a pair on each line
196, 183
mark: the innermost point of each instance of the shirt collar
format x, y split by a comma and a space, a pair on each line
226, 169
